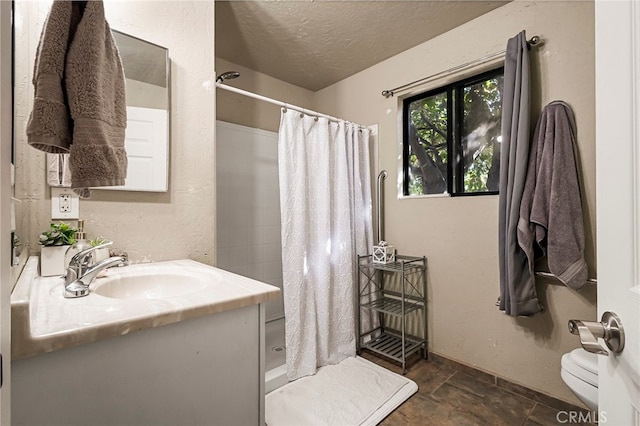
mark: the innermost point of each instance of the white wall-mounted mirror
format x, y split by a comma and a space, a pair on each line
146, 68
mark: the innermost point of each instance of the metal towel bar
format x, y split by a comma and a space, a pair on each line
550, 275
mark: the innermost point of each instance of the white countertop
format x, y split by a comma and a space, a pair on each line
44, 321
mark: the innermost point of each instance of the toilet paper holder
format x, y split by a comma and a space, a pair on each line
609, 329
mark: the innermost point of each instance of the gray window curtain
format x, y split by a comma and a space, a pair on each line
517, 282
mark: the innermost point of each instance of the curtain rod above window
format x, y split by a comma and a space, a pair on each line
533, 41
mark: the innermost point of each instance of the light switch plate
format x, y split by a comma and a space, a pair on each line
65, 204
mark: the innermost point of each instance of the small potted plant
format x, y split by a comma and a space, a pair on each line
102, 253
55, 243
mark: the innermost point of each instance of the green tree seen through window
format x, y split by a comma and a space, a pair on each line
452, 138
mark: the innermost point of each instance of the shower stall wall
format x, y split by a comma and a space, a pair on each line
248, 224
248, 206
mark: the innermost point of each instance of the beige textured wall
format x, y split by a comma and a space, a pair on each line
459, 235
150, 226
238, 109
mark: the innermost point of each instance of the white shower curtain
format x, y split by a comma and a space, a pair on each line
325, 203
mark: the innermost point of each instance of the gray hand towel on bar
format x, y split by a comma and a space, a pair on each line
78, 53
95, 86
551, 221
49, 126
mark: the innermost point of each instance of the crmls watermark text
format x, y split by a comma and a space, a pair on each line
568, 417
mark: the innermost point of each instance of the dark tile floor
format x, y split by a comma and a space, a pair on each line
451, 394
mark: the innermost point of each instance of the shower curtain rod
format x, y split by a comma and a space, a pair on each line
283, 104
533, 41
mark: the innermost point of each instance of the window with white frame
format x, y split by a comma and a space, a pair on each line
451, 138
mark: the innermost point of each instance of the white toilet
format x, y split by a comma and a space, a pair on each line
580, 372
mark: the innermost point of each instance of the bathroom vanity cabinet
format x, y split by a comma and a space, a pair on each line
396, 293
193, 358
195, 372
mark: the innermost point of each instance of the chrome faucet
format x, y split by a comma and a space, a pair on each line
82, 260
81, 273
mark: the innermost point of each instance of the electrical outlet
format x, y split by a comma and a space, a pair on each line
65, 204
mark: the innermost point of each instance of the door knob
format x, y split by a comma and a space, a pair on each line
609, 329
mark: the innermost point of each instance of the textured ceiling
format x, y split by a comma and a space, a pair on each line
314, 44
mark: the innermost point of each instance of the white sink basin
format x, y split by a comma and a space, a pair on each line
152, 284
127, 299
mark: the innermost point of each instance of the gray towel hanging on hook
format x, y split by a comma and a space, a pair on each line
551, 221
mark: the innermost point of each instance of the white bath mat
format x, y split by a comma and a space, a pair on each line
354, 392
